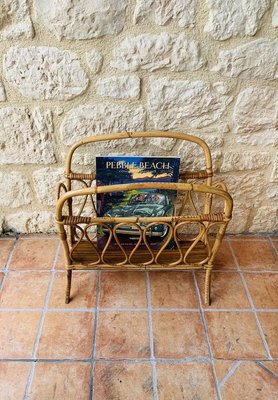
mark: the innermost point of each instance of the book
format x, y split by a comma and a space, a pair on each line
112, 170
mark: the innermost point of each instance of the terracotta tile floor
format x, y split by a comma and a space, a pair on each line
138, 335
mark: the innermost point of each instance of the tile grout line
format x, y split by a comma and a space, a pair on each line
275, 375
259, 238
7, 265
78, 271
46, 237
272, 245
230, 373
137, 360
241, 310
218, 392
92, 360
241, 274
165, 310
246, 271
250, 271
256, 318
152, 360
36, 344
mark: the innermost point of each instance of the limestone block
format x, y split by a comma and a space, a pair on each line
119, 87
274, 173
94, 59
59, 110
30, 222
101, 118
163, 144
81, 19
113, 147
194, 103
152, 52
45, 73
45, 181
257, 59
239, 221
237, 161
275, 15
272, 192
160, 12
2, 92
255, 116
246, 188
229, 18
24, 136
192, 155
265, 220
15, 189
247, 195
15, 21
1, 224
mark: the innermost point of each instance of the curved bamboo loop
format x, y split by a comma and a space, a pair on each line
120, 246
77, 227
146, 242
109, 240
139, 241
165, 244
59, 188
194, 241
91, 241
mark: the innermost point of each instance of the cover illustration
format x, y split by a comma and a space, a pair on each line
112, 170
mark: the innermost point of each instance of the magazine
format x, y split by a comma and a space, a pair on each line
112, 170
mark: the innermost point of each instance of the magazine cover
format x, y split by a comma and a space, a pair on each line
146, 202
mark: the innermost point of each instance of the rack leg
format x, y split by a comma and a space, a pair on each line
208, 284
69, 274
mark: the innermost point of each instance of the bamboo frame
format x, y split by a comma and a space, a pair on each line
193, 253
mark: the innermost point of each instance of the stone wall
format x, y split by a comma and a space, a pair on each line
73, 68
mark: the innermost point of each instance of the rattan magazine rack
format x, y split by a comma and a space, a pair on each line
202, 213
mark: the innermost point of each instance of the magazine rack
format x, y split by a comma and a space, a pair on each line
202, 213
